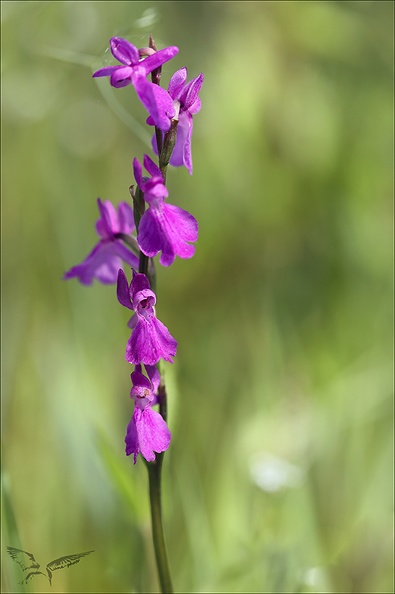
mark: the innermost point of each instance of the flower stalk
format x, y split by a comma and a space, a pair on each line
167, 148
155, 468
154, 477
134, 236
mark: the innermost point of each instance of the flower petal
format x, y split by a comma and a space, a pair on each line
167, 231
191, 92
177, 82
125, 254
154, 375
139, 283
126, 218
138, 172
156, 100
102, 263
107, 71
151, 236
114, 221
144, 302
149, 342
131, 437
182, 153
132, 322
152, 167
124, 51
139, 379
121, 77
142, 389
195, 107
123, 290
154, 189
158, 58
108, 223
146, 433
153, 433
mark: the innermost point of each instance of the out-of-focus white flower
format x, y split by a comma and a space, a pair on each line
273, 474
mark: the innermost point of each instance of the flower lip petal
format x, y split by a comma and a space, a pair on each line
124, 51
169, 230
150, 340
146, 434
154, 435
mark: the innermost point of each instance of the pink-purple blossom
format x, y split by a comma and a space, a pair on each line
163, 227
134, 70
150, 339
187, 102
147, 431
108, 255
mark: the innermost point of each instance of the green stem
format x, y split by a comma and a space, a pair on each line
130, 242
159, 140
167, 148
143, 264
154, 475
162, 392
155, 468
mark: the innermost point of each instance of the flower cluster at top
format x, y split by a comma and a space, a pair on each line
134, 236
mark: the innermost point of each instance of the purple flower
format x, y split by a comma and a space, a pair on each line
186, 98
146, 432
134, 70
106, 258
163, 227
150, 339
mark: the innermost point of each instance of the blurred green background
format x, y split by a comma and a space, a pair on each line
279, 476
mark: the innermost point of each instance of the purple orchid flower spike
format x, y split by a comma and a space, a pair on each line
186, 98
134, 70
146, 432
150, 339
163, 227
107, 256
